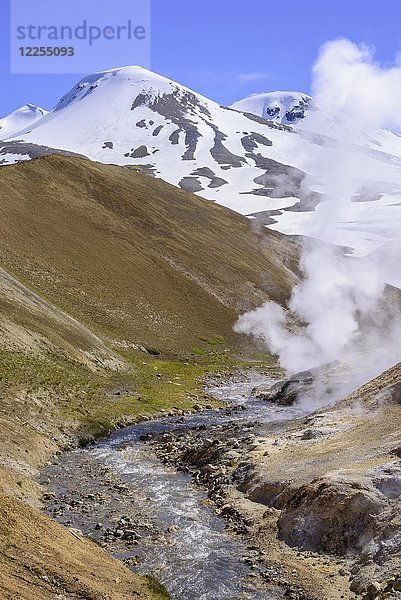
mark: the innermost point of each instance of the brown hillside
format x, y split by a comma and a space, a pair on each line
134, 257
96, 262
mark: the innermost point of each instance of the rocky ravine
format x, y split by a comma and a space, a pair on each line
319, 496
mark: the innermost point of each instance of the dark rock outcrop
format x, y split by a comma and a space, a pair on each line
287, 392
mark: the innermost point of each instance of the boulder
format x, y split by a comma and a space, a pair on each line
339, 517
286, 392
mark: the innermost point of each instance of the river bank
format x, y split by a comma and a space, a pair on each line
318, 493
254, 460
109, 491
119, 494
38, 557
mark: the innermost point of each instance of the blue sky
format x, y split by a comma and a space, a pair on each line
226, 49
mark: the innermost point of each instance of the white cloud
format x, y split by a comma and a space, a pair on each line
253, 76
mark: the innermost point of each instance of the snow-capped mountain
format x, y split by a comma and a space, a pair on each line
287, 108
20, 119
138, 119
130, 116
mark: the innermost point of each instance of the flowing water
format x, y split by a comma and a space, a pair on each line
192, 553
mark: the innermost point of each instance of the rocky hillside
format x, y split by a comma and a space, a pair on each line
320, 494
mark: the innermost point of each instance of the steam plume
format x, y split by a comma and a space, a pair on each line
338, 312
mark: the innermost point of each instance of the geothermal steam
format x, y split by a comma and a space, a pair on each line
338, 312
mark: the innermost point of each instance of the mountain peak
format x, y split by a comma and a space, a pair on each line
120, 82
287, 108
20, 119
